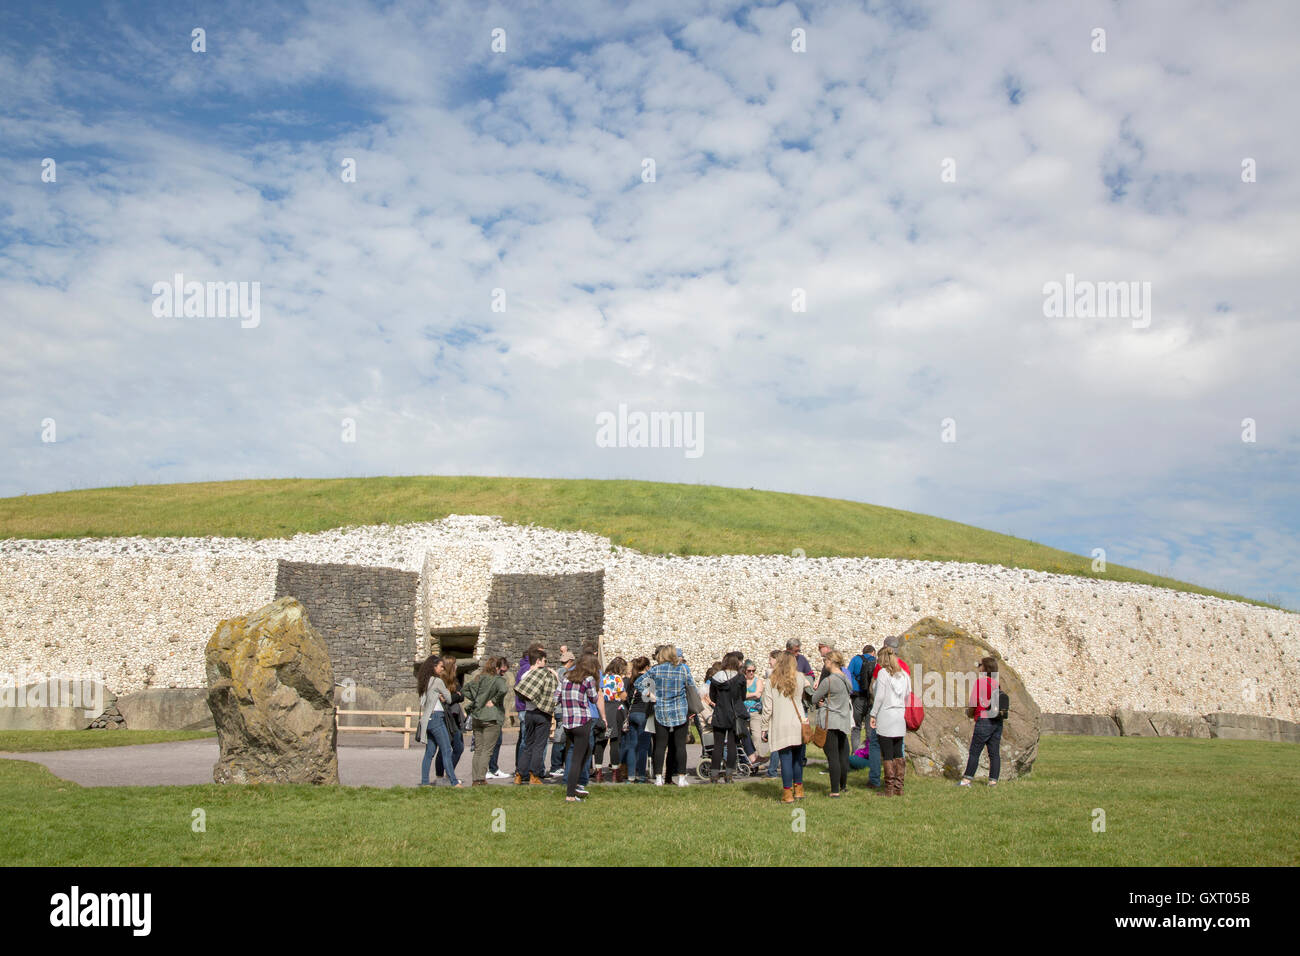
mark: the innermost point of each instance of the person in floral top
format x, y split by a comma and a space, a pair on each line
613, 697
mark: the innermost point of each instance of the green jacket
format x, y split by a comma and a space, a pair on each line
485, 697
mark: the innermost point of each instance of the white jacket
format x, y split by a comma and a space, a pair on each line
891, 700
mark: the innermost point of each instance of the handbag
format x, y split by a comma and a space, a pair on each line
805, 728
914, 712
693, 703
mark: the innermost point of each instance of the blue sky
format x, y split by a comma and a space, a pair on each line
775, 170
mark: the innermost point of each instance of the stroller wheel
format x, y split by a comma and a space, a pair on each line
745, 769
703, 768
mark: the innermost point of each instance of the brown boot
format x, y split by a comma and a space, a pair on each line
518, 779
787, 795
535, 781
620, 775
899, 775
600, 775
887, 778
798, 791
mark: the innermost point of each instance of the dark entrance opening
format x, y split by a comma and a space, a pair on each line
458, 642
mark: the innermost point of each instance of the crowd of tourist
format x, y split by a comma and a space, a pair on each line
630, 721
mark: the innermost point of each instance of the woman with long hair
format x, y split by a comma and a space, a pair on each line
435, 698
613, 694
574, 698
836, 716
455, 716
893, 686
671, 678
635, 741
726, 694
784, 718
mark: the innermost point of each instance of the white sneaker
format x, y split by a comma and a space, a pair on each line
993, 783
681, 780
556, 773
659, 780
965, 782
497, 774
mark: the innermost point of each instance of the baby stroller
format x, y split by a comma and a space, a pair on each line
705, 768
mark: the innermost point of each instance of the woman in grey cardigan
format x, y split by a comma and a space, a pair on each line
432, 732
837, 717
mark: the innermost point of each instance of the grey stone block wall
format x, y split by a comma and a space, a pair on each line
551, 609
366, 615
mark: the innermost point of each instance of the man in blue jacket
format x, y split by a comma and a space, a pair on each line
859, 672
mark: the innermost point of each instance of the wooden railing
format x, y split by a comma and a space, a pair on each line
406, 729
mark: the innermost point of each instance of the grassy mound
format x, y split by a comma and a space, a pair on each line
653, 517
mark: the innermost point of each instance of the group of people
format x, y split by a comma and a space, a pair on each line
639, 713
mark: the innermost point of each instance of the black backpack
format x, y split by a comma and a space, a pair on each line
1004, 705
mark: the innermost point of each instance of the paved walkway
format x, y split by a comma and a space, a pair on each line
365, 760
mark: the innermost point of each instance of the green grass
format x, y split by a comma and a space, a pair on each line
1167, 803
653, 517
41, 741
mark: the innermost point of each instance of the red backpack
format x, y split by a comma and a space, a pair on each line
914, 712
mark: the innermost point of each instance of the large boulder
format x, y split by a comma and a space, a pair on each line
944, 659
166, 708
271, 691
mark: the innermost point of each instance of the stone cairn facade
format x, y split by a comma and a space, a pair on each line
137, 612
366, 615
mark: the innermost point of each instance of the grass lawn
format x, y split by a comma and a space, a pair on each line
37, 741
653, 517
1167, 802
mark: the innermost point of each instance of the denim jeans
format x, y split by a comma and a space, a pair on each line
493, 765
988, 733
774, 763
436, 740
522, 741
629, 743
791, 761
558, 752
457, 740
640, 746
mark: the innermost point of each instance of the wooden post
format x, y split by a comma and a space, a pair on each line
406, 735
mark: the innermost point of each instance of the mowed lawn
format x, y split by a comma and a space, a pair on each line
653, 517
1166, 802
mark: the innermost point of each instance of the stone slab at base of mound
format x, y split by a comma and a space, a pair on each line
1249, 727
1084, 725
38, 706
167, 708
271, 691
1223, 726
940, 747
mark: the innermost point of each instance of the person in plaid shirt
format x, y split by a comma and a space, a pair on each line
574, 698
537, 688
670, 677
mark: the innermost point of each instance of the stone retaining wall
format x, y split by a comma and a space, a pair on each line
366, 615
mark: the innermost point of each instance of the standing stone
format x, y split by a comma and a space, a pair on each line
271, 691
939, 748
